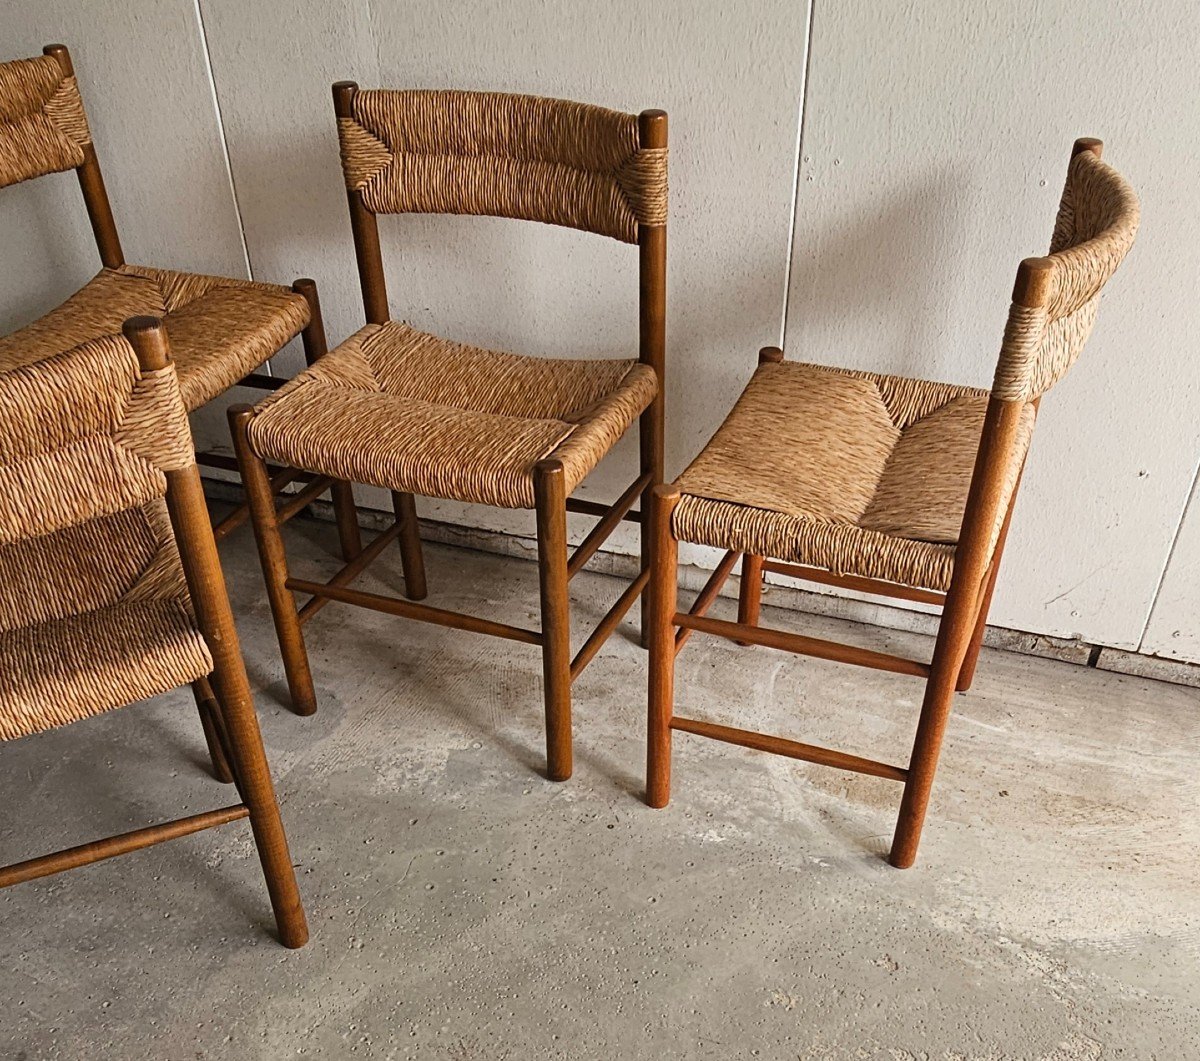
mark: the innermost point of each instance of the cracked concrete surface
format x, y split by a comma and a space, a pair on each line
463, 907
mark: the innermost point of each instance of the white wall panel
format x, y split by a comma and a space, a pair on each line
142, 69
730, 79
936, 141
1174, 628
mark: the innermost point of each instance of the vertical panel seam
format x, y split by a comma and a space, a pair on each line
1162, 575
216, 99
791, 238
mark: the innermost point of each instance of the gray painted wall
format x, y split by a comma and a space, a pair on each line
934, 143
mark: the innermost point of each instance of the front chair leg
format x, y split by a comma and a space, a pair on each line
955, 633
412, 561
551, 502
274, 564
661, 596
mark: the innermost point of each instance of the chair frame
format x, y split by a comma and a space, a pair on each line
227, 706
555, 566
963, 621
108, 244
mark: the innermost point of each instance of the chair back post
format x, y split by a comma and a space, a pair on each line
364, 226
989, 480
652, 295
190, 522
91, 183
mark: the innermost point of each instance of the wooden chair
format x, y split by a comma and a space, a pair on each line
897, 487
222, 330
112, 596
417, 414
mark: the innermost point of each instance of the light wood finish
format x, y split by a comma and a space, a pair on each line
274, 564
550, 491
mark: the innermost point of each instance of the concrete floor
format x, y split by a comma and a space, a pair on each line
462, 907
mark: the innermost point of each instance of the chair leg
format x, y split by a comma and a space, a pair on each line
966, 673
315, 347
954, 636
255, 787
551, 499
650, 442
274, 564
412, 562
750, 591
213, 725
661, 597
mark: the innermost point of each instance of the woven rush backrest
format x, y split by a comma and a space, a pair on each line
1096, 225
549, 160
86, 434
43, 128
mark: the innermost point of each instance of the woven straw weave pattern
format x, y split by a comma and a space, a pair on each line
855, 472
220, 328
43, 128
95, 612
405, 410
1096, 226
564, 163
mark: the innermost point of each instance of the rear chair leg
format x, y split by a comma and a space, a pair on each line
315, 347
551, 501
750, 591
274, 564
661, 595
412, 562
214, 729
